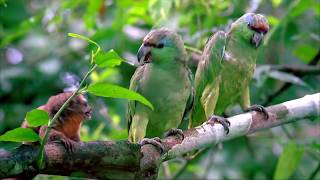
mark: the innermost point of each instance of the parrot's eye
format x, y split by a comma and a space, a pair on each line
159, 46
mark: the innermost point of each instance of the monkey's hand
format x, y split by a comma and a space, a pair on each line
58, 137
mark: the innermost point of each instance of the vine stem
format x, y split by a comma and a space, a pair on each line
55, 117
314, 173
189, 48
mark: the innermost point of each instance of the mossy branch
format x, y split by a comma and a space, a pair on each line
124, 160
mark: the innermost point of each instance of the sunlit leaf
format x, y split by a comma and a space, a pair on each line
108, 59
37, 117
114, 91
276, 3
288, 161
273, 21
20, 135
118, 134
305, 52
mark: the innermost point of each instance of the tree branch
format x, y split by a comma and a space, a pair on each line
314, 61
124, 160
298, 68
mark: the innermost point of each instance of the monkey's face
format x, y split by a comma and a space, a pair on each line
78, 106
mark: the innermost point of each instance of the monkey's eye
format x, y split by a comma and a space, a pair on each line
161, 45
83, 103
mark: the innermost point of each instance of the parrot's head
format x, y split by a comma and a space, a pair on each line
161, 46
251, 28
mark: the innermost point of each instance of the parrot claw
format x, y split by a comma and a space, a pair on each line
175, 131
259, 109
156, 141
221, 120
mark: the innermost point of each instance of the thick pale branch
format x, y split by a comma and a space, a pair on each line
123, 160
207, 134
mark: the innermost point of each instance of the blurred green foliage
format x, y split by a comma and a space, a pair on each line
36, 53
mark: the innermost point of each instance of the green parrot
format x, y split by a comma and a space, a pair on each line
164, 79
227, 65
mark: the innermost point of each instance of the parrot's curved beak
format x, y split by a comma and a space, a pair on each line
259, 24
144, 54
257, 39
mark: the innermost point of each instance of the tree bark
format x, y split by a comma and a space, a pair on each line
124, 160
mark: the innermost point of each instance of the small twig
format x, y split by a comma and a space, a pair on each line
166, 170
287, 133
210, 161
285, 86
314, 173
295, 68
192, 49
189, 161
55, 117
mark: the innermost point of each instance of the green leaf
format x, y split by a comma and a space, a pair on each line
84, 38
20, 135
288, 161
276, 3
108, 59
159, 10
315, 145
91, 13
300, 7
305, 52
9, 146
20, 31
37, 117
3, 3
114, 91
273, 21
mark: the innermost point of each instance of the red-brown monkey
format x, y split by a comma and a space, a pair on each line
66, 128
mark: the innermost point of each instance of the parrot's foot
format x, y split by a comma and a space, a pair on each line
173, 132
221, 120
259, 109
155, 142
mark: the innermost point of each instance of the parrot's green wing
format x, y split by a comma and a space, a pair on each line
188, 110
164, 81
134, 85
207, 78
